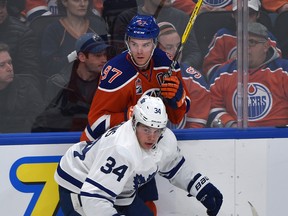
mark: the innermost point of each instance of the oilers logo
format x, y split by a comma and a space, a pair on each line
259, 101
218, 3
154, 92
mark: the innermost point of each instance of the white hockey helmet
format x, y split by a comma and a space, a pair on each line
150, 111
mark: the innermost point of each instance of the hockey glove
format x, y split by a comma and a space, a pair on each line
206, 193
173, 92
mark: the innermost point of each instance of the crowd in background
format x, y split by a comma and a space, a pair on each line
37, 36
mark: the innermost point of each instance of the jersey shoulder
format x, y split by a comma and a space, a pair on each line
190, 73
161, 59
168, 142
117, 72
123, 139
227, 68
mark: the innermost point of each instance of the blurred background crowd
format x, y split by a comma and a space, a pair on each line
48, 76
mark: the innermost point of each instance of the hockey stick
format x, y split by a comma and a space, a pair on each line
160, 6
254, 212
184, 37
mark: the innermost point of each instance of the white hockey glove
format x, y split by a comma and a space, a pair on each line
201, 188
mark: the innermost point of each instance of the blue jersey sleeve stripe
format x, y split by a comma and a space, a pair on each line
172, 172
69, 178
96, 196
101, 187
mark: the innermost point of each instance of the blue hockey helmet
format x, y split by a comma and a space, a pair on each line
143, 27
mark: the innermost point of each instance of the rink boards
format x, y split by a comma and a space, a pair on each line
248, 166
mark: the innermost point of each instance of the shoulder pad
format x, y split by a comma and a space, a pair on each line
117, 72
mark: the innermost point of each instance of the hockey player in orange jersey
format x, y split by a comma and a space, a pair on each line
131, 74
136, 72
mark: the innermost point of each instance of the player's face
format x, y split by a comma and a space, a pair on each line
147, 136
169, 43
141, 50
76, 7
95, 62
6, 68
258, 48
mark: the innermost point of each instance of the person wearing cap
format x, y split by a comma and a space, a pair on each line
224, 44
59, 37
196, 117
71, 99
101, 178
267, 85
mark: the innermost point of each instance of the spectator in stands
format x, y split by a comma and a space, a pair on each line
209, 5
131, 74
52, 6
60, 36
14, 8
20, 100
224, 44
267, 85
21, 41
196, 117
35, 8
97, 7
69, 109
191, 52
275, 6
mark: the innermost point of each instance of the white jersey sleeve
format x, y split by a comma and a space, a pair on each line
173, 165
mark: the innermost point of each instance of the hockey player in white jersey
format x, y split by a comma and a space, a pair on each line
101, 178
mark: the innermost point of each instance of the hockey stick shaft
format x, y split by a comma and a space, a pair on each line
160, 6
191, 21
185, 35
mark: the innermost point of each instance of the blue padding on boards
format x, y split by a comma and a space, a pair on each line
183, 134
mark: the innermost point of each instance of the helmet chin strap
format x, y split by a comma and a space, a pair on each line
134, 62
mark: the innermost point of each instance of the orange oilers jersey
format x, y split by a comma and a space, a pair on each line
121, 85
267, 94
223, 49
198, 91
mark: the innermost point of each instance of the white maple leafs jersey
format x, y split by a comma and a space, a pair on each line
109, 170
